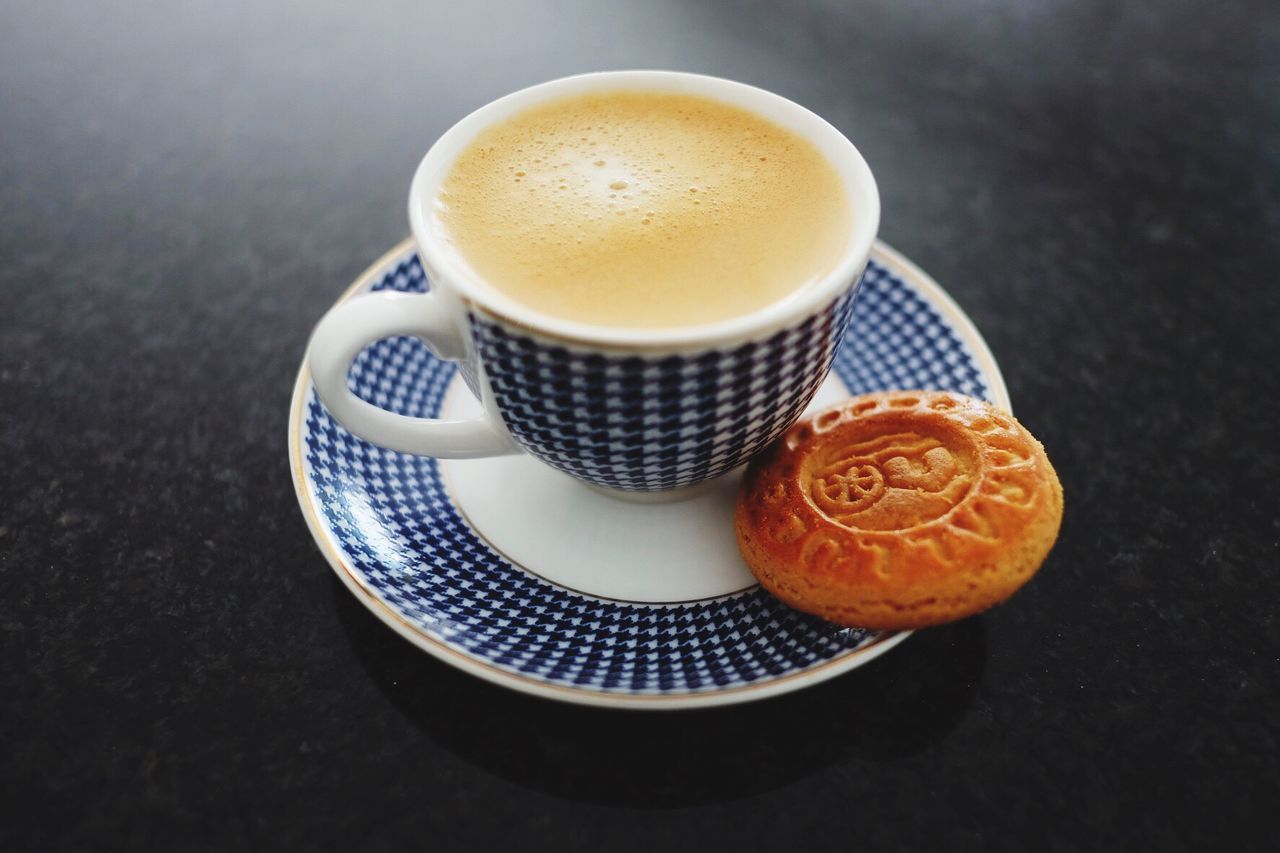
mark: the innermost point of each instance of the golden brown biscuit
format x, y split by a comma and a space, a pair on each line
899, 510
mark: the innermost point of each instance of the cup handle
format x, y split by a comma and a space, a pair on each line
351, 326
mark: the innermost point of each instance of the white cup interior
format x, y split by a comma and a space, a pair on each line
446, 266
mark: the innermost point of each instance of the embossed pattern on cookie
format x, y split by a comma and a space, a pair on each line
899, 509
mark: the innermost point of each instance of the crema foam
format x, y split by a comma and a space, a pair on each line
644, 210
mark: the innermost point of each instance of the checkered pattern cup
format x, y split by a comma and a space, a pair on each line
643, 413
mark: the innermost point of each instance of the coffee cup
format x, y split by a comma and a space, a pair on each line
645, 411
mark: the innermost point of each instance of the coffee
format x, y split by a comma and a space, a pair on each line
644, 210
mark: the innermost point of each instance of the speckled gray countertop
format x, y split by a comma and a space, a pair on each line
184, 191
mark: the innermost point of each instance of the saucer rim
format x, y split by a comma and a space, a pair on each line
332, 553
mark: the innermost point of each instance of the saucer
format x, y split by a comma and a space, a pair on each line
518, 574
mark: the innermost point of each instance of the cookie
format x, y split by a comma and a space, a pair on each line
899, 510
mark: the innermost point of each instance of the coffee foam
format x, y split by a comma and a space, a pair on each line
642, 209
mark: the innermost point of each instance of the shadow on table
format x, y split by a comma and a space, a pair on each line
894, 706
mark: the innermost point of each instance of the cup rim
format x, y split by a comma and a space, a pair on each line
444, 264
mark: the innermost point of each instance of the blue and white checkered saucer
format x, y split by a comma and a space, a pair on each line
512, 571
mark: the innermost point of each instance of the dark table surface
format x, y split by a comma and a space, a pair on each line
183, 191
